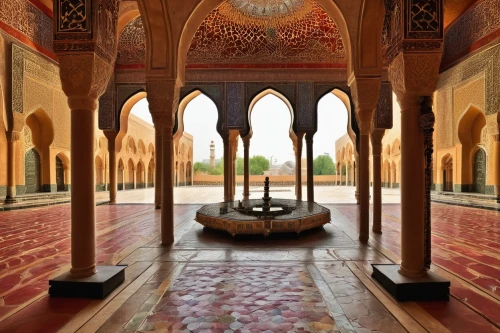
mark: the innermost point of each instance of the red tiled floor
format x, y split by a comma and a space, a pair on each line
466, 243
35, 245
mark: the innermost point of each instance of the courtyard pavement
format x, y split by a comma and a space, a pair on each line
209, 281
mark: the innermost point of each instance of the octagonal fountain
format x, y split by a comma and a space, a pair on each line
263, 216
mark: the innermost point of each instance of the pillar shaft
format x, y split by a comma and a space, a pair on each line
246, 167
113, 186
227, 173
11, 168
158, 161
167, 188
310, 168
82, 187
364, 188
298, 166
412, 187
496, 168
376, 139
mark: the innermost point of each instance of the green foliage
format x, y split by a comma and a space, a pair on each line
219, 168
201, 167
240, 166
258, 164
323, 165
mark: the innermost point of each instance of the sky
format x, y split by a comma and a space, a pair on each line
270, 119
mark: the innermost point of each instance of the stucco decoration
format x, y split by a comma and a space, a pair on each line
383, 112
214, 90
132, 44
235, 105
36, 85
424, 19
472, 26
20, 15
305, 106
231, 36
286, 89
107, 114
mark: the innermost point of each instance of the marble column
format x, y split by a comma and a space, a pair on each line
409, 86
496, 166
234, 149
113, 186
310, 167
227, 167
158, 160
12, 143
365, 93
163, 98
376, 139
82, 186
246, 167
298, 166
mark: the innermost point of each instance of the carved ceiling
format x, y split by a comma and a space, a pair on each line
454, 8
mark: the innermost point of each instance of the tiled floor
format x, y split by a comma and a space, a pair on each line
210, 282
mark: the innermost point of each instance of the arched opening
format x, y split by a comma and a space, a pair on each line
199, 144
62, 172
332, 124
479, 169
121, 175
386, 173
393, 175
151, 172
470, 128
99, 174
131, 148
130, 185
189, 174
270, 116
42, 134
140, 175
32, 174
447, 170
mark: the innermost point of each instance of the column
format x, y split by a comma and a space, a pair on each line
246, 167
234, 150
157, 120
356, 176
12, 140
113, 186
227, 159
298, 166
310, 167
496, 166
82, 186
376, 139
163, 99
365, 92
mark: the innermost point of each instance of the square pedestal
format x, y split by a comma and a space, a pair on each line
96, 286
430, 287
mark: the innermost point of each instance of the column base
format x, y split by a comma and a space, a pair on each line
10, 200
430, 287
96, 286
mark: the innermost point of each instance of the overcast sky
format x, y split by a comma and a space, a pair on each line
270, 120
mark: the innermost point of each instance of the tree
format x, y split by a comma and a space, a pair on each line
323, 165
240, 166
258, 164
201, 167
219, 168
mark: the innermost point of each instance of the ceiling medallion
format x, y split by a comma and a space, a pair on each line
266, 12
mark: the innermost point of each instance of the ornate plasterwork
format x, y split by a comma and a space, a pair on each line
383, 113
314, 38
472, 26
23, 16
424, 19
132, 43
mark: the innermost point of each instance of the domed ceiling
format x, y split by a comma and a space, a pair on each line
253, 34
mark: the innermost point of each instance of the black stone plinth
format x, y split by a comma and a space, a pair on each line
430, 287
96, 286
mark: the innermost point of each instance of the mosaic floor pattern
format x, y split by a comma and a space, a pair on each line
228, 298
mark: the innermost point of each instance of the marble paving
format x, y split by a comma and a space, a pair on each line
209, 281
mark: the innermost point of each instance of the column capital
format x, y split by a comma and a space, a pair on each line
376, 141
13, 136
415, 74
365, 92
111, 136
84, 76
83, 103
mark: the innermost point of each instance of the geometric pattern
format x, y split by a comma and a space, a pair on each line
243, 298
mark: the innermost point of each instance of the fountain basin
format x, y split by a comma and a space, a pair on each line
304, 216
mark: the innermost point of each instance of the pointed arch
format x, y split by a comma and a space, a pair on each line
121, 175
124, 116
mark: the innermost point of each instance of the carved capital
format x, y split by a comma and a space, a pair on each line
416, 73
365, 121
163, 99
365, 92
84, 75
376, 140
82, 103
13, 136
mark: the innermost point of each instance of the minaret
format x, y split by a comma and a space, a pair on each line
212, 155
